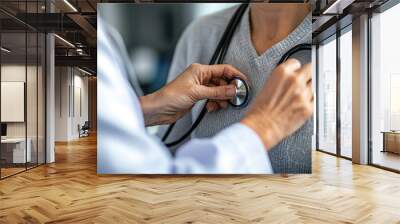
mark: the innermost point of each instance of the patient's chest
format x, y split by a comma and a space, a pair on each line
293, 154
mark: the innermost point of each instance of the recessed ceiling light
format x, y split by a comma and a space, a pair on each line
65, 41
70, 5
5, 50
337, 7
84, 71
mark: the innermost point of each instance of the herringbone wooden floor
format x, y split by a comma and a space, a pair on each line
70, 191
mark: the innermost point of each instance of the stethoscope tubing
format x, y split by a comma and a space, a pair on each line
217, 58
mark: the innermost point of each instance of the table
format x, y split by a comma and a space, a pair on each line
391, 141
15, 148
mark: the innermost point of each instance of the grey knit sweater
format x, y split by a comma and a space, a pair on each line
197, 44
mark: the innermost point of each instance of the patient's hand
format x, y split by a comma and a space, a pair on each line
283, 105
196, 83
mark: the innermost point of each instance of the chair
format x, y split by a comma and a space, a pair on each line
84, 130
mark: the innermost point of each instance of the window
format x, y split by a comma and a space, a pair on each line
385, 89
327, 96
346, 93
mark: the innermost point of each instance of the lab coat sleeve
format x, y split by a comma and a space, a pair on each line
123, 145
236, 149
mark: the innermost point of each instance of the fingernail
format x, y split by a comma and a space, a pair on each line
231, 91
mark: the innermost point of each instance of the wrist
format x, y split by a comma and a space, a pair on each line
151, 105
264, 129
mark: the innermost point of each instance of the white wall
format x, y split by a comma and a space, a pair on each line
80, 84
12, 73
17, 73
71, 102
62, 81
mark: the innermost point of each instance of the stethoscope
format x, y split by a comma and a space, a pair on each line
242, 96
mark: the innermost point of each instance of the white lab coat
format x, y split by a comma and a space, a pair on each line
124, 146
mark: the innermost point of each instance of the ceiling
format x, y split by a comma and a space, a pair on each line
75, 22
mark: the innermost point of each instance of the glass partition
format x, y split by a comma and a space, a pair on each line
14, 153
41, 107
31, 100
31, 85
22, 101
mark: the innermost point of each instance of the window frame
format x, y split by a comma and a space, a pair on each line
334, 37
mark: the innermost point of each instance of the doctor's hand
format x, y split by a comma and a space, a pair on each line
197, 82
284, 104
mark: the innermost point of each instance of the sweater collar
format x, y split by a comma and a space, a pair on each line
302, 34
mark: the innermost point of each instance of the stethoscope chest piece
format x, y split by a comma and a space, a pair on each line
242, 97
